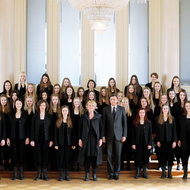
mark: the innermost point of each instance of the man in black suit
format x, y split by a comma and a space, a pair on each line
114, 133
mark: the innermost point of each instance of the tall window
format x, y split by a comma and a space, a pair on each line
36, 40
104, 55
138, 41
70, 42
185, 41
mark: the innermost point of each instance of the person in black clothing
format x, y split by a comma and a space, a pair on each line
64, 142
76, 113
183, 138
7, 89
166, 139
154, 78
127, 145
91, 85
42, 137
45, 84
157, 92
22, 84
90, 140
2, 137
103, 99
178, 109
18, 137
141, 141
172, 99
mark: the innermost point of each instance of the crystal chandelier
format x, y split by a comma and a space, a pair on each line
99, 12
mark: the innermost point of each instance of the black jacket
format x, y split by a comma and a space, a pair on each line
183, 129
59, 136
171, 135
136, 132
96, 123
23, 128
2, 128
48, 128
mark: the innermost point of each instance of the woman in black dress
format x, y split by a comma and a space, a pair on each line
22, 84
103, 98
91, 85
76, 113
184, 140
7, 89
68, 97
157, 92
90, 140
112, 88
18, 137
42, 137
64, 142
141, 141
81, 94
166, 139
154, 78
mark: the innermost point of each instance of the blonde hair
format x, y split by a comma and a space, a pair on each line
127, 109
26, 106
150, 99
81, 109
51, 104
63, 88
91, 102
33, 93
19, 83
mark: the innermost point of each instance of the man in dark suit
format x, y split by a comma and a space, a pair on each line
114, 134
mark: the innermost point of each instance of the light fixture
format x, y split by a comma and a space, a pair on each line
99, 12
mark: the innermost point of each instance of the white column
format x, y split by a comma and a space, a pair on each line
6, 41
53, 40
169, 40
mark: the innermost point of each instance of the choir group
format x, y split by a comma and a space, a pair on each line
54, 127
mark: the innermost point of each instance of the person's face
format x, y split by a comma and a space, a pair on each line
30, 88
146, 93
113, 100
143, 103
153, 78
44, 96
165, 109
163, 99
66, 82
112, 83
76, 103
56, 89
44, 79
91, 84
134, 80
29, 102
120, 97
69, 91
187, 107
125, 103
157, 87
7, 86
131, 89
142, 114
54, 100
81, 92
14, 96
65, 111
91, 96
23, 77
182, 96
3, 101
176, 82
171, 95
103, 92
18, 105
42, 107
91, 107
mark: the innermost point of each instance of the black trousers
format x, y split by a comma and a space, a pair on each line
63, 157
42, 148
17, 152
1, 155
87, 161
166, 154
185, 156
114, 148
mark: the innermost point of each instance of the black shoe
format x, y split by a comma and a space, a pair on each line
137, 175
111, 177
61, 177
94, 177
86, 177
178, 167
67, 178
116, 177
14, 173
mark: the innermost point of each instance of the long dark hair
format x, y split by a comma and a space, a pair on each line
42, 83
136, 121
